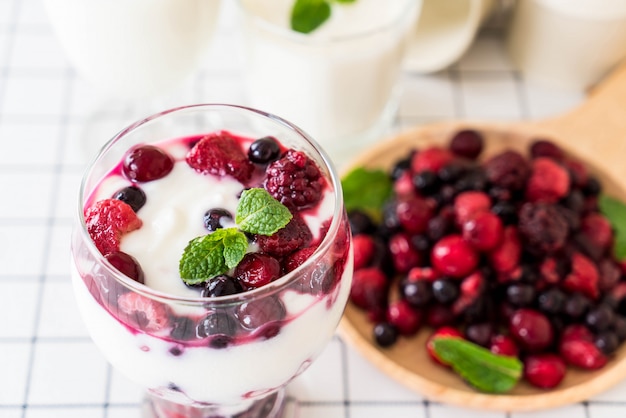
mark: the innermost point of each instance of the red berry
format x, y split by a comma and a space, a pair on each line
454, 257
364, 249
545, 148
107, 220
414, 213
472, 287
126, 264
531, 329
503, 345
220, 154
439, 316
296, 259
468, 204
583, 354
443, 332
484, 231
609, 274
141, 312
292, 237
505, 258
295, 181
583, 277
431, 159
548, 182
404, 317
147, 163
544, 370
578, 171
256, 270
403, 186
576, 332
508, 170
467, 143
404, 256
369, 288
423, 273
597, 229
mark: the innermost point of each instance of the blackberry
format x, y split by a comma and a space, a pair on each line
543, 226
295, 181
508, 169
132, 196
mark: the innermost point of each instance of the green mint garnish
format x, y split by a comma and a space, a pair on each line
615, 212
211, 255
308, 15
259, 213
482, 369
366, 190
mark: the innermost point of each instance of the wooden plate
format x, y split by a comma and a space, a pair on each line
594, 133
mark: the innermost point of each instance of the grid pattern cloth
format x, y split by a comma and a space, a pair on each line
48, 365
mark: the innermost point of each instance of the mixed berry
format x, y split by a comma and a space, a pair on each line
508, 251
289, 176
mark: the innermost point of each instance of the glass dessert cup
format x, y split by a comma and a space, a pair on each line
256, 341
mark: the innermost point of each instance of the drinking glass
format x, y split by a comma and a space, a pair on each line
258, 340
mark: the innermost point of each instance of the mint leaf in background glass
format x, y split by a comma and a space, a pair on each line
615, 212
259, 213
308, 15
481, 368
366, 190
211, 255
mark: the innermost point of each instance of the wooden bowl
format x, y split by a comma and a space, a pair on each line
407, 361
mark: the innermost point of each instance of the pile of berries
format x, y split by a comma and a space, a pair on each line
509, 252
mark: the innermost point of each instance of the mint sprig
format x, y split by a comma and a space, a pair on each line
481, 368
308, 15
213, 254
366, 190
615, 212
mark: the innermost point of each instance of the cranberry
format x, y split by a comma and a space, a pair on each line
132, 196
404, 256
257, 313
544, 370
443, 332
484, 231
479, 333
213, 218
439, 316
126, 264
506, 257
369, 287
404, 317
431, 159
264, 150
545, 148
414, 214
583, 354
549, 181
531, 329
503, 345
467, 143
257, 269
147, 163
454, 257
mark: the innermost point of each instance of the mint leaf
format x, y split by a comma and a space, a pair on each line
481, 368
308, 15
211, 255
259, 213
615, 212
366, 190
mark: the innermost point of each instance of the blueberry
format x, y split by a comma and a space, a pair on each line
593, 187
360, 222
480, 333
222, 285
600, 318
574, 201
426, 182
451, 173
417, 293
576, 305
264, 150
220, 326
505, 211
400, 167
385, 334
619, 326
420, 242
552, 301
445, 291
213, 218
520, 294
607, 342
184, 329
131, 195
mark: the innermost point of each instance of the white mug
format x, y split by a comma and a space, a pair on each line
568, 44
444, 31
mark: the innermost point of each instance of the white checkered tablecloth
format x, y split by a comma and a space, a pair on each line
48, 365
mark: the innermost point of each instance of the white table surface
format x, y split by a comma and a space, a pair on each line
48, 365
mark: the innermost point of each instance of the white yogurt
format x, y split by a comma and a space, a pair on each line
134, 48
336, 82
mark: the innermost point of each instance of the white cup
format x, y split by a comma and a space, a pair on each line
444, 31
338, 83
134, 48
567, 44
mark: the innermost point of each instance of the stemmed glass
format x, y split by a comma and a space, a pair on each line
253, 343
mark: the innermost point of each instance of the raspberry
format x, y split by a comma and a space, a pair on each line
454, 257
598, 230
296, 259
548, 182
107, 220
506, 257
583, 354
484, 231
257, 269
544, 370
404, 256
531, 329
431, 159
141, 312
295, 181
545, 148
448, 332
404, 317
364, 248
543, 227
220, 154
414, 214
609, 274
369, 287
503, 345
403, 186
471, 289
467, 143
508, 169
422, 273
583, 278
295, 235
469, 204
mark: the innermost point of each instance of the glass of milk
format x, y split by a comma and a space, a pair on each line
340, 82
134, 48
